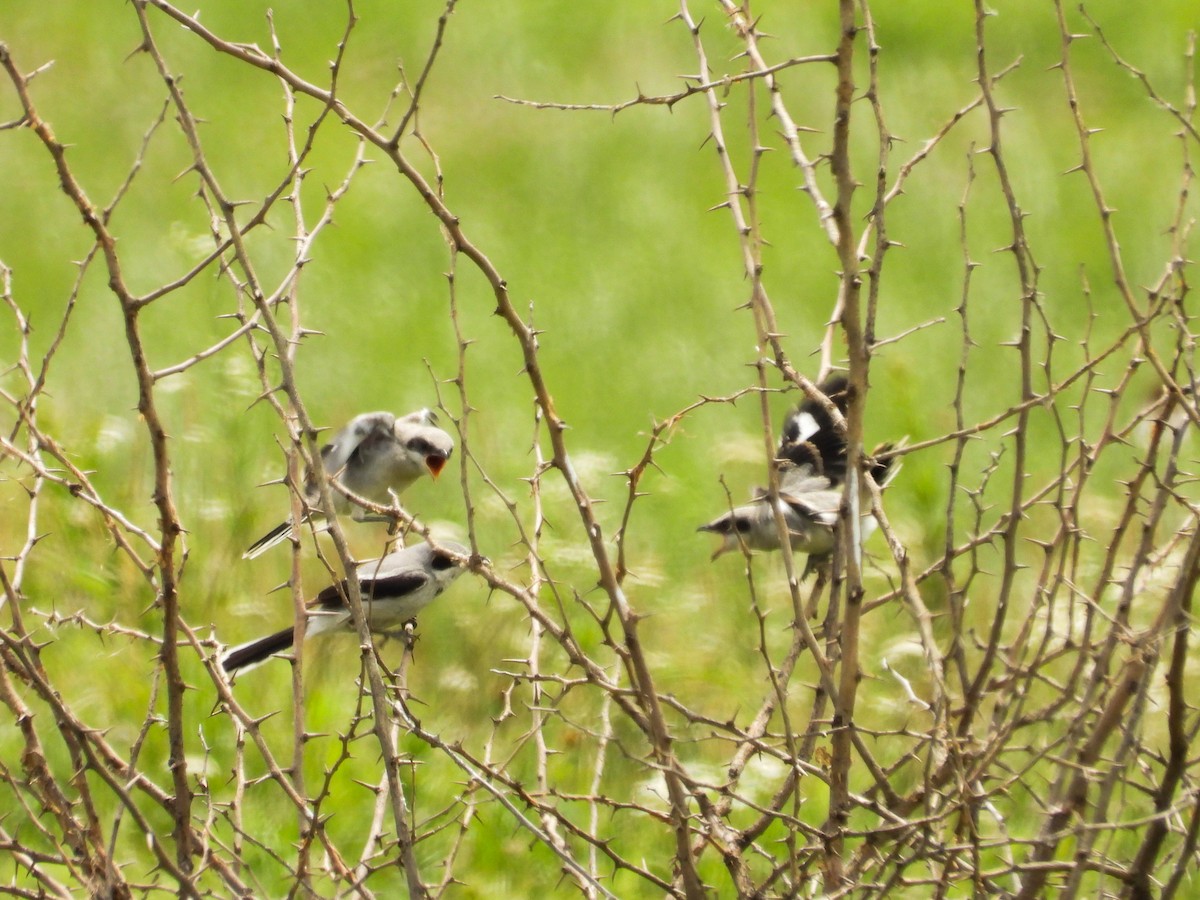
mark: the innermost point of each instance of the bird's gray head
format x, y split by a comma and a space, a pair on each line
449, 557
729, 526
441, 564
422, 440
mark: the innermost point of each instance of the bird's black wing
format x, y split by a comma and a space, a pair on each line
809, 436
391, 587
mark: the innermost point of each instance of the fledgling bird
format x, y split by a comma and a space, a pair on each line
394, 589
376, 452
809, 502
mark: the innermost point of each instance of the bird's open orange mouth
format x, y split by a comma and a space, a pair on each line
435, 464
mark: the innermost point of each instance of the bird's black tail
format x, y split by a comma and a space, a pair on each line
268, 540
255, 652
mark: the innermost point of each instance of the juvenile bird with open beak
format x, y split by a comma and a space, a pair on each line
372, 455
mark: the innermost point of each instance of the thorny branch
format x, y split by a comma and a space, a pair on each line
1049, 611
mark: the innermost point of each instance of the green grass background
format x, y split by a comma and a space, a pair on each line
602, 227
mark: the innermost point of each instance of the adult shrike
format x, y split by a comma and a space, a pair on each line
394, 589
812, 472
375, 453
810, 437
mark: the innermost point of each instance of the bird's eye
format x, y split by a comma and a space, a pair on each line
420, 445
441, 563
742, 525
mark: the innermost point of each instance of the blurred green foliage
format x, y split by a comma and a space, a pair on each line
604, 229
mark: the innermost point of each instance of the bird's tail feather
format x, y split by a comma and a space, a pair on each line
268, 540
258, 651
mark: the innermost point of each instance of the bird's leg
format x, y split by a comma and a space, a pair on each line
406, 634
821, 566
818, 564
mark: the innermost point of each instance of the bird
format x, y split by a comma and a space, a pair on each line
394, 589
810, 437
809, 502
811, 462
374, 453
810, 428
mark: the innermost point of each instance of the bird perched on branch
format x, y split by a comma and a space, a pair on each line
375, 453
812, 473
394, 589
